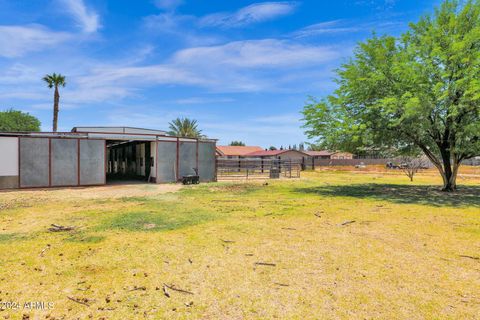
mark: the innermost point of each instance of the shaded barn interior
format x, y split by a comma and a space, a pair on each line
130, 160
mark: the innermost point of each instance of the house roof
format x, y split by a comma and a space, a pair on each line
267, 153
319, 153
119, 130
237, 150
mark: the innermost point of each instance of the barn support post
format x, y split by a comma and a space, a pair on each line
196, 159
49, 162
177, 174
19, 164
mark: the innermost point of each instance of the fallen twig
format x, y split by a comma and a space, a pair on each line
176, 289
227, 241
318, 215
265, 264
289, 229
85, 289
281, 284
44, 250
58, 228
470, 257
348, 222
165, 292
83, 301
135, 288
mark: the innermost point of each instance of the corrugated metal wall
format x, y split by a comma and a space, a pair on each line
92, 162
191, 155
166, 161
188, 158
64, 162
206, 161
34, 162
55, 162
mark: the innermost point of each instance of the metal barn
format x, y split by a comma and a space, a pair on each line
90, 156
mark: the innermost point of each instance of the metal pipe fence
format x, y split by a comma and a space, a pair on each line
257, 169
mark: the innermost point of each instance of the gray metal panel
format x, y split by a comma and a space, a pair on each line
64, 162
92, 162
34, 162
188, 158
166, 162
8, 182
206, 161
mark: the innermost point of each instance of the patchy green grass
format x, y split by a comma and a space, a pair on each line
333, 245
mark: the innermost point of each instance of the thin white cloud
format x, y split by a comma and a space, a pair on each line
337, 27
16, 41
255, 54
201, 100
257, 12
87, 19
168, 4
241, 66
325, 28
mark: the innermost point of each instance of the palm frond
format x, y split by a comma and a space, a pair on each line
54, 80
184, 127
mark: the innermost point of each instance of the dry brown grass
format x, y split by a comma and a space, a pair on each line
410, 254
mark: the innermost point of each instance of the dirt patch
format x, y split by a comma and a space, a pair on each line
18, 198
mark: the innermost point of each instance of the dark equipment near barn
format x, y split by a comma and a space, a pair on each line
191, 179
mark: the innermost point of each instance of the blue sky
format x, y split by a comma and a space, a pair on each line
243, 69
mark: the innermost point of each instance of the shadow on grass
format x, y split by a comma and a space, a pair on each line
405, 194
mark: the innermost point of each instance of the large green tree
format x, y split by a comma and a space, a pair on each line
54, 81
17, 121
418, 91
184, 127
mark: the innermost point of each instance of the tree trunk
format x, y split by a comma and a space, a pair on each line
444, 166
56, 100
450, 171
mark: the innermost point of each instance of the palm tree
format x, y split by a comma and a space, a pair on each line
184, 127
54, 81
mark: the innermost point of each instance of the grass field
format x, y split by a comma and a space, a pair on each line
332, 245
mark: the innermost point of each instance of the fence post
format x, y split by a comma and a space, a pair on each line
313, 163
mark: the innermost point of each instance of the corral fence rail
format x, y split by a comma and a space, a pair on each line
311, 163
257, 169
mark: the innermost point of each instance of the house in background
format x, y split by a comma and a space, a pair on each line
324, 154
294, 155
235, 152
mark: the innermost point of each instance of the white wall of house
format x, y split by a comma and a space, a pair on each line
9, 156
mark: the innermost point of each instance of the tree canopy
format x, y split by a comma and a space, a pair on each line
419, 91
18, 121
184, 127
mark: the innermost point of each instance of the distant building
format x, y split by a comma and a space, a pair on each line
324, 154
294, 155
235, 152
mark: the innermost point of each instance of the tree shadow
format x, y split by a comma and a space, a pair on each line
405, 194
